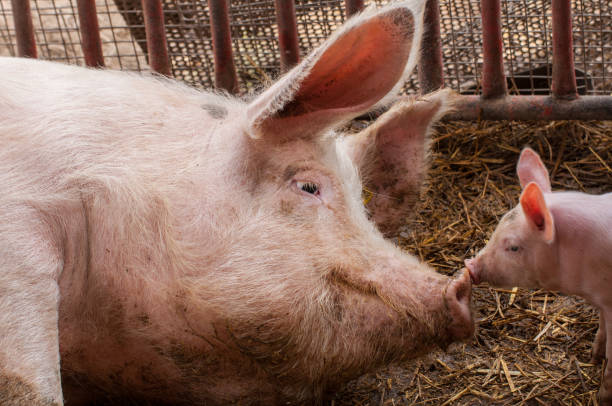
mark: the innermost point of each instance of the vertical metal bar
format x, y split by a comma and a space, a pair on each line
90, 33
563, 74
431, 74
287, 33
24, 29
353, 7
156, 36
225, 71
493, 78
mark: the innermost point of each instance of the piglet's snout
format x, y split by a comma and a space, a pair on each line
457, 299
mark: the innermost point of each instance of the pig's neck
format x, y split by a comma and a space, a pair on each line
582, 246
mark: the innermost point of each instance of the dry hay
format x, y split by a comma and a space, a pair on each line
531, 347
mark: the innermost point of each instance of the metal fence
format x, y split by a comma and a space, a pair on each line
198, 40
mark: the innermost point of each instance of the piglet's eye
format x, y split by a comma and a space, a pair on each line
308, 187
514, 248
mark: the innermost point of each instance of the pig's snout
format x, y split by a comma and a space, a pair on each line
473, 267
457, 299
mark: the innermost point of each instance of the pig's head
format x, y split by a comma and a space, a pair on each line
313, 294
521, 249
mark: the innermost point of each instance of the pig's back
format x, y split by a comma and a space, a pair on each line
59, 121
106, 150
583, 224
582, 212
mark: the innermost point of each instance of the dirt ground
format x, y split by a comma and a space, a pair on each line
530, 347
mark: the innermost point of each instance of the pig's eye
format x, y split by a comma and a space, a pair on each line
308, 187
514, 248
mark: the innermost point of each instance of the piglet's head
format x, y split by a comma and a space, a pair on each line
521, 246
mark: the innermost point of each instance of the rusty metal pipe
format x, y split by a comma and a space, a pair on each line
90, 33
156, 36
532, 108
225, 70
353, 7
563, 73
287, 33
493, 78
24, 29
431, 74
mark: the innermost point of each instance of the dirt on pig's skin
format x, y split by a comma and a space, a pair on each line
162, 253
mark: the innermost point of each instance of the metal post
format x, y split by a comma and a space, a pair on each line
353, 7
90, 33
156, 36
493, 78
287, 33
431, 74
225, 71
563, 73
24, 29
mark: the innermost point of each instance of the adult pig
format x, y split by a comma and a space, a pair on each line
167, 245
558, 241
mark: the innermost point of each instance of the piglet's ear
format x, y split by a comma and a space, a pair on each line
536, 212
531, 169
347, 75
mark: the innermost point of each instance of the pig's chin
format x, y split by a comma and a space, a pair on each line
474, 276
496, 279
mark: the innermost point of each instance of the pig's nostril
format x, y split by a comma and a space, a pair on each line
458, 297
463, 287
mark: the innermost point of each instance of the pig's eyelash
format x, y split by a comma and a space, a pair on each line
308, 187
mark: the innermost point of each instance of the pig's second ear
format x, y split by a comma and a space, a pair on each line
531, 169
537, 213
391, 156
346, 76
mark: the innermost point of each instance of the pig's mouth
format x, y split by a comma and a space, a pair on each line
457, 299
474, 277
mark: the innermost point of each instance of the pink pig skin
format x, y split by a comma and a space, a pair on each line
170, 246
559, 241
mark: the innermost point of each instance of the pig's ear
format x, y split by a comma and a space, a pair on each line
536, 211
346, 76
531, 169
391, 156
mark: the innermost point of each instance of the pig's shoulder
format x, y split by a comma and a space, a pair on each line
589, 213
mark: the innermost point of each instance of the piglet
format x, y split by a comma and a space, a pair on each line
555, 240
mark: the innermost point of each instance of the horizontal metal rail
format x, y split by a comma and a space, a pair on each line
532, 108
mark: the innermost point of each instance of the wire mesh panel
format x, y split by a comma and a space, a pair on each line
527, 41
58, 37
526, 26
